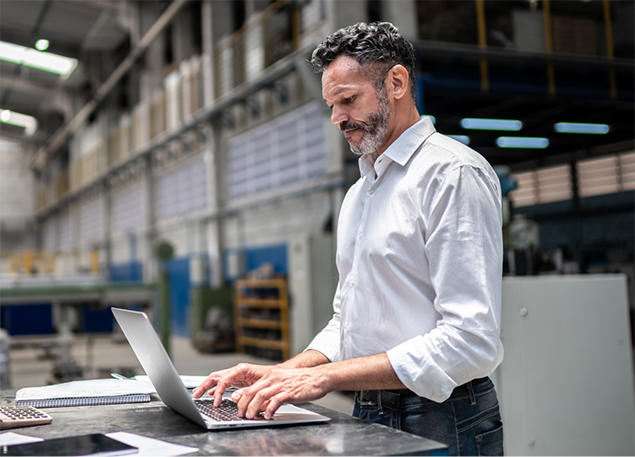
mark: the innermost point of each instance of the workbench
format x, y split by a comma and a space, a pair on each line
66, 292
343, 435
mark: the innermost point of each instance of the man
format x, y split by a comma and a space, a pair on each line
416, 317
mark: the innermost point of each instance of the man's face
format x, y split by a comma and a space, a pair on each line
357, 108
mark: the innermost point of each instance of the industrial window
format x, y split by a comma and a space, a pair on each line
525, 193
91, 222
627, 168
598, 176
183, 191
606, 175
128, 209
286, 151
545, 185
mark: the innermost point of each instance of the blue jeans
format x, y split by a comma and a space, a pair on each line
469, 422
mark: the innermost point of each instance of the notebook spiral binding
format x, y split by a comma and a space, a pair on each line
85, 401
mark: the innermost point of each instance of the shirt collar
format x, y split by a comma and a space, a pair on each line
401, 149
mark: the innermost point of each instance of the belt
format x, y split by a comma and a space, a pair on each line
390, 398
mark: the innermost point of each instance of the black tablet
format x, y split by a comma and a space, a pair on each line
95, 444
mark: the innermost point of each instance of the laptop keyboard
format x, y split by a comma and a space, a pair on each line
227, 411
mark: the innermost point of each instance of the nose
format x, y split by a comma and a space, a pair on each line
338, 115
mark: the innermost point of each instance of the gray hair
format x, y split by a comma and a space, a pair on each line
377, 47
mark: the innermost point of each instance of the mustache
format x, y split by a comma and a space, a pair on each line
353, 125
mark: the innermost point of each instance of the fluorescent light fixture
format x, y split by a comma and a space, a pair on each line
432, 118
522, 142
37, 59
472, 123
579, 127
20, 120
42, 45
462, 138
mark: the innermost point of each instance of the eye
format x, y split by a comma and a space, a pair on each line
349, 99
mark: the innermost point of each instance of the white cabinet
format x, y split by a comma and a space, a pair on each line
566, 382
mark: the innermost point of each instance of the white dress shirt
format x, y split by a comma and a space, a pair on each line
419, 255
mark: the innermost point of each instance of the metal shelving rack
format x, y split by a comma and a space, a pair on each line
257, 305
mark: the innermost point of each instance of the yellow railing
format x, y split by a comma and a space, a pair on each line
29, 262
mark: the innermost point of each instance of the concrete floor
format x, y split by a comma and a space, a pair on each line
106, 354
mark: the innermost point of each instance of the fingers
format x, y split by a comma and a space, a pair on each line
251, 401
217, 383
207, 384
219, 390
256, 399
274, 403
237, 395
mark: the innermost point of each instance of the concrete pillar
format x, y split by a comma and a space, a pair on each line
208, 50
183, 43
154, 61
403, 14
222, 21
107, 229
149, 258
215, 234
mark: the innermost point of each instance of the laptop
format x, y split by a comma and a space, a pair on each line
157, 364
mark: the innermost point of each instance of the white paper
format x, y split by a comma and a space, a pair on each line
11, 438
189, 381
86, 388
151, 446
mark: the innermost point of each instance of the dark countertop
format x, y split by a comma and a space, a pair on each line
343, 435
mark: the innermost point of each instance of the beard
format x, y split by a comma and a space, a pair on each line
374, 128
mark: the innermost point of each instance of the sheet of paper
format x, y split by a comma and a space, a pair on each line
188, 381
86, 388
151, 446
11, 438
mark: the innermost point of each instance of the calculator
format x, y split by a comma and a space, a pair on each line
22, 416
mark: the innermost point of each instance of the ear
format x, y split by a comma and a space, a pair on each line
398, 81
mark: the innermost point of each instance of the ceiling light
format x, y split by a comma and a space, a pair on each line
42, 45
471, 123
429, 116
462, 138
522, 142
37, 59
579, 127
20, 120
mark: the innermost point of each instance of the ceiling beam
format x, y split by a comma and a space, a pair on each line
59, 137
101, 4
21, 85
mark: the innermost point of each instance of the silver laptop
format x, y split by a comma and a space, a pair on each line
157, 364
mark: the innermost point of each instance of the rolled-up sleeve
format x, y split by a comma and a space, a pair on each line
463, 245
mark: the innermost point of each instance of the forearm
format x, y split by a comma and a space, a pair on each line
306, 359
363, 373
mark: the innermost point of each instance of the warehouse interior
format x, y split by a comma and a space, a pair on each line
181, 156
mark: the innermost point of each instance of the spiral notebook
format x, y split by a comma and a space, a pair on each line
86, 392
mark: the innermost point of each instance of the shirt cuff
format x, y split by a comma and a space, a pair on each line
327, 345
414, 366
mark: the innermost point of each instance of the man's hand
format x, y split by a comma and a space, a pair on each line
242, 375
278, 386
